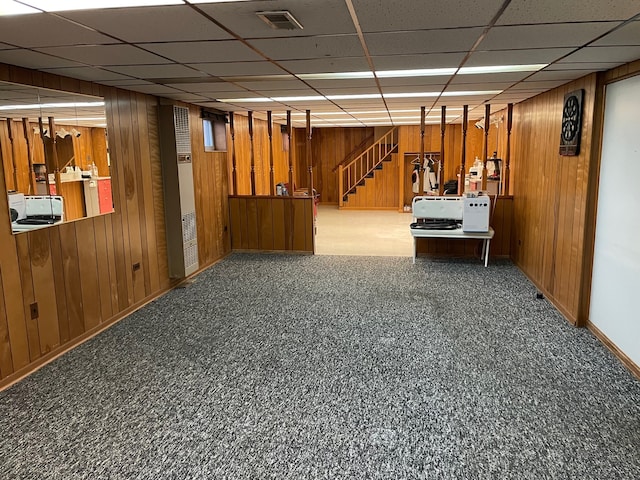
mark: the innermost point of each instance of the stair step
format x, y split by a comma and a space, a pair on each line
369, 175
379, 166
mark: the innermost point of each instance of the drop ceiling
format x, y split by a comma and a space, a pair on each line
221, 55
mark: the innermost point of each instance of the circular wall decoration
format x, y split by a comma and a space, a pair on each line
571, 123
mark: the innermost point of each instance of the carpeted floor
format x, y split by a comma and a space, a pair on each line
320, 367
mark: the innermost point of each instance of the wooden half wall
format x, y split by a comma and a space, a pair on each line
272, 223
86, 274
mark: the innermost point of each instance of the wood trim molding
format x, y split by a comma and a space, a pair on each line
624, 359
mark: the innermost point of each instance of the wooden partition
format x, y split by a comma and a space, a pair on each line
551, 196
502, 223
85, 275
272, 223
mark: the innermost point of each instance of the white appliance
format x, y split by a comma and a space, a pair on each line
40, 211
179, 197
18, 204
475, 214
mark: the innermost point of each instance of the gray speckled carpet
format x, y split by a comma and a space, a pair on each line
292, 367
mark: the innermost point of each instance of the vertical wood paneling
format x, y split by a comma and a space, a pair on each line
550, 196
80, 273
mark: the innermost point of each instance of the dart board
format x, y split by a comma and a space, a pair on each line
571, 123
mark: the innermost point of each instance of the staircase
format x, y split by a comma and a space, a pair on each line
354, 173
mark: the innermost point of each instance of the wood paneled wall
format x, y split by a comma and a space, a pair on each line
268, 223
86, 274
551, 196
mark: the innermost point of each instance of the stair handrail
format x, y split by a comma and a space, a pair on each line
353, 152
351, 174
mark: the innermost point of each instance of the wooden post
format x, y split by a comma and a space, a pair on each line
463, 167
422, 120
13, 154
32, 173
443, 126
340, 186
289, 133
272, 187
308, 153
54, 159
485, 144
234, 174
47, 161
251, 150
507, 169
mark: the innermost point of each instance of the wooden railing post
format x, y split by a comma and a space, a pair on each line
291, 146
54, 157
443, 126
341, 191
234, 173
13, 154
252, 154
507, 170
272, 186
27, 139
485, 145
308, 153
463, 167
422, 120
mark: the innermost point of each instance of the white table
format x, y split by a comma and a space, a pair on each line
458, 233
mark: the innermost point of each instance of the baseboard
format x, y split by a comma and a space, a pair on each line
368, 208
624, 359
47, 358
271, 252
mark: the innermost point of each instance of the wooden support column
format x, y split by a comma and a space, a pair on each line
289, 133
27, 139
234, 173
252, 155
340, 185
272, 186
12, 150
421, 177
54, 158
443, 126
507, 169
47, 159
463, 166
485, 144
308, 154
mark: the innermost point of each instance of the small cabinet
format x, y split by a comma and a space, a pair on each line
105, 199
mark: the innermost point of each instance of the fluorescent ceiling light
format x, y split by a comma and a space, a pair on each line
80, 119
37, 106
420, 72
15, 8
366, 96
469, 93
501, 69
67, 5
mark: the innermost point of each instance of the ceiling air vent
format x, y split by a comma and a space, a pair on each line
280, 20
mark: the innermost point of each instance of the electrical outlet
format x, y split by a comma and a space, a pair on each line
34, 310
136, 266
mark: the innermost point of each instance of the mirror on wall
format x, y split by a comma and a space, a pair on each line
55, 156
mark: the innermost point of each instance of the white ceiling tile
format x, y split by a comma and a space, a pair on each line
102, 55
92, 74
41, 29
331, 17
605, 54
482, 58
4, 46
427, 60
491, 77
553, 11
427, 41
309, 47
543, 85
125, 83
273, 85
591, 66
204, 52
350, 91
482, 85
544, 36
347, 83
565, 75
302, 92
230, 69
31, 59
170, 70
153, 89
206, 87
170, 24
327, 65
412, 88
626, 35
186, 97
414, 81
385, 16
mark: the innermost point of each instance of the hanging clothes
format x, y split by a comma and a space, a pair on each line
415, 179
427, 179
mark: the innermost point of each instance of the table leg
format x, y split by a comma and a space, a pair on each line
486, 253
